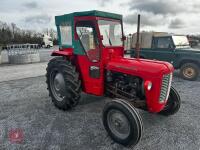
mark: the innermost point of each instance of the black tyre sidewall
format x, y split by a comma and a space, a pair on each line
135, 125
175, 105
56, 64
64, 102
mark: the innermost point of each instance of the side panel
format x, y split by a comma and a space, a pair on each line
90, 84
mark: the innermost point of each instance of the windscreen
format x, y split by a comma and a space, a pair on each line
111, 32
180, 41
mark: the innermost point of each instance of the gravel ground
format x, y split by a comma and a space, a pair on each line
15, 72
25, 105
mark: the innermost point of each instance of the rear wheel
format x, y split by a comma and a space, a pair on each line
63, 83
189, 71
173, 104
122, 122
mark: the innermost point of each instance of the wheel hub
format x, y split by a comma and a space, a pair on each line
118, 123
58, 86
189, 72
59, 82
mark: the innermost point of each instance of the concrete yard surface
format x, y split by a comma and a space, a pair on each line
15, 72
26, 106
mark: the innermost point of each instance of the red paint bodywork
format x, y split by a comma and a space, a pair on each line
112, 59
63, 52
147, 70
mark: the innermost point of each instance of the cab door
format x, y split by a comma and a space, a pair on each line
89, 63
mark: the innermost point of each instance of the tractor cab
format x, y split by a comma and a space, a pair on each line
89, 31
93, 37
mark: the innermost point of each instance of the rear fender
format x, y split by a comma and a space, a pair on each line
63, 52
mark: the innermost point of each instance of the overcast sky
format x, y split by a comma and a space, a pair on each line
174, 16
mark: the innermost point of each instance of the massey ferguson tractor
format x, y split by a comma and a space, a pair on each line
91, 59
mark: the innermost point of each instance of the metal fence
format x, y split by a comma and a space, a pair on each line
23, 53
20, 49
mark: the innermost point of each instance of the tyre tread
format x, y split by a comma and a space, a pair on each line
71, 77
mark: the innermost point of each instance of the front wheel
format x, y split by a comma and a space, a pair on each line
173, 104
122, 122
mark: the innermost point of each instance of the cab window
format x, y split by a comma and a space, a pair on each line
111, 32
66, 34
88, 38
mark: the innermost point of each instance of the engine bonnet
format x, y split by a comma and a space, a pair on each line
139, 67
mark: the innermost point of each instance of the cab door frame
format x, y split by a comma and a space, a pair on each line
92, 73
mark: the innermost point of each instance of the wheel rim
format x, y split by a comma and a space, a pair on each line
118, 124
188, 72
57, 83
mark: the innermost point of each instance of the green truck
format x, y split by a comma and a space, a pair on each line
172, 48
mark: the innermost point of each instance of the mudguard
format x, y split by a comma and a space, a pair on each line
63, 52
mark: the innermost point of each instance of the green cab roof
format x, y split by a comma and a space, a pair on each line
69, 17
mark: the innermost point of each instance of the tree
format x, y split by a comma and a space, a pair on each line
11, 34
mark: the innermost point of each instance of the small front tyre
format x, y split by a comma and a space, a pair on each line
122, 122
173, 104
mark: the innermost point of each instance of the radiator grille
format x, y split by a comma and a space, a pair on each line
166, 85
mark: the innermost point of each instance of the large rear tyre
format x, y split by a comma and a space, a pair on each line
173, 104
63, 83
122, 122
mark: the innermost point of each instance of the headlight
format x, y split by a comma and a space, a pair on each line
148, 85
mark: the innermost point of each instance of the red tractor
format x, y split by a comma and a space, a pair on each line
91, 59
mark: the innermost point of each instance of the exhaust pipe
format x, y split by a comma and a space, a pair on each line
137, 44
